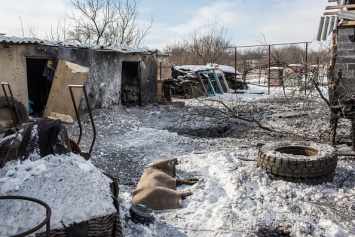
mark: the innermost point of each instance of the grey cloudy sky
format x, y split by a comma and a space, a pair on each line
246, 21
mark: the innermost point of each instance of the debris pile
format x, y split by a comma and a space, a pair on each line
190, 81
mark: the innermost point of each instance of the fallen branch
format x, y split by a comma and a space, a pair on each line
252, 120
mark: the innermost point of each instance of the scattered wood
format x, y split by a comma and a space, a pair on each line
346, 153
350, 6
290, 114
245, 159
330, 13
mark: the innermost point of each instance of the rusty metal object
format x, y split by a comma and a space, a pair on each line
115, 190
46, 221
347, 111
3, 84
86, 155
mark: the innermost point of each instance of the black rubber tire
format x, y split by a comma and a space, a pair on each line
310, 170
312, 181
22, 111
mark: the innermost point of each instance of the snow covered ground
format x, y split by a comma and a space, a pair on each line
233, 196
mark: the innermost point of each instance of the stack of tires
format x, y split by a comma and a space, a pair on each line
309, 163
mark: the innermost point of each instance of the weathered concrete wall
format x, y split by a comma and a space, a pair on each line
104, 80
13, 68
345, 63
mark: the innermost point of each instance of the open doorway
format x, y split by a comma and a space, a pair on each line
130, 88
40, 74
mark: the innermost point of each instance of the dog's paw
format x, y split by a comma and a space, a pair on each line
188, 181
185, 194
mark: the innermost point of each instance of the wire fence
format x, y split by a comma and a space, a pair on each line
273, 65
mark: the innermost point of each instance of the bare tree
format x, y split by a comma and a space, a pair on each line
59, 33
31, 30
212, 45
107, 21
200, 49
126, 29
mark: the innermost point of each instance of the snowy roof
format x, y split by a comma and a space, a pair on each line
106, 47
224, 68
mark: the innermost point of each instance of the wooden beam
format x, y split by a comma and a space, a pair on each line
330, 13
348, 24
350, 6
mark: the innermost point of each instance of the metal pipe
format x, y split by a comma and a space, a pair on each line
90, 115
91, 119
76, 112
306, 70
46, 221
259, 45
269, 71
13, 102
243, 75
235, 70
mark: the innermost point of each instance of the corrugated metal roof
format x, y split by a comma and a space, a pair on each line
326, 26
108, 47
17, 40
346, 15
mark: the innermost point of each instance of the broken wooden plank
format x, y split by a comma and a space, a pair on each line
345, 153
330, 13
347, 24
201, 82
350, 6
59, 99
290, 114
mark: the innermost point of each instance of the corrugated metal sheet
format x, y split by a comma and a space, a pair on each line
113, 47
346, 15
17, 40
326, 26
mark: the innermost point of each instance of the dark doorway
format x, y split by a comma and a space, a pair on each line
40, 74
130, 88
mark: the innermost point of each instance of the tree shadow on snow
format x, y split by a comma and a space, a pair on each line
270, 231
344, 178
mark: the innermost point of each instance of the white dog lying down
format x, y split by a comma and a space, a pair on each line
157, 188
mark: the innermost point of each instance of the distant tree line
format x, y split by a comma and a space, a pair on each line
214, 46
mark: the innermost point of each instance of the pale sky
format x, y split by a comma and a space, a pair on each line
246, 21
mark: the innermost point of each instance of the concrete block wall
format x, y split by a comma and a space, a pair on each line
345, 60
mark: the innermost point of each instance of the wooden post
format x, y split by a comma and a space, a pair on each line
243, 71
333, 126
269, 72
353, 133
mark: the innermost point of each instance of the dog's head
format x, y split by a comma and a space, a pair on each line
167, 166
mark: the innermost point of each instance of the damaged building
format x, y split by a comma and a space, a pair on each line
339, 23
40, 71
